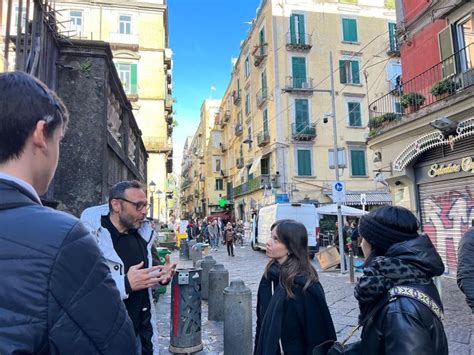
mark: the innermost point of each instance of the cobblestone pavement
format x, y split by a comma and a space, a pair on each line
248, 265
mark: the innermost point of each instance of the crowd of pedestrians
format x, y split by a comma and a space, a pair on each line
74, 286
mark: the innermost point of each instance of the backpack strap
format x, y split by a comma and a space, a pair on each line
418, 295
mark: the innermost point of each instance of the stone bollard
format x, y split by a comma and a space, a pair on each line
196, 253
206, 264
237, 319
218, 281
183, 249
185, 329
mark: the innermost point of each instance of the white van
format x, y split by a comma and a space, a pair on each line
304, 213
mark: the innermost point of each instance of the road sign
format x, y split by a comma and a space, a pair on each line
338, 191
363, 199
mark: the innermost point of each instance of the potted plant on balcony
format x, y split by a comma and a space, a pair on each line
413, 100
443, 88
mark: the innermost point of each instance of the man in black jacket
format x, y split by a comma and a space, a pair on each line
465, 274
56, 294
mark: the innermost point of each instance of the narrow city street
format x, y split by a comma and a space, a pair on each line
248, 265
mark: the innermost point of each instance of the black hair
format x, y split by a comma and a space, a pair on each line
24, 100
118, 190
397, 218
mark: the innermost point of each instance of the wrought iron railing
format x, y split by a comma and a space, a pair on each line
299, 84
298, 41
262, 96
263, 138
303, 131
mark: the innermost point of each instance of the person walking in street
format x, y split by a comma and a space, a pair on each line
125, 237
292, 313
213, 230
355, 239
400, 307
465, 272
239, 233
229, 236
56, 294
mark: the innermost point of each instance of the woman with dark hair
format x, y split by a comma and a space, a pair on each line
401, 309
292, 314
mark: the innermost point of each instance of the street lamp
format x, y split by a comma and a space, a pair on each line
152, 189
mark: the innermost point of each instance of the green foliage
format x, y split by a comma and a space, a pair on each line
175, 123
443, 86
413, 99
390, 4
378, 121
327, 224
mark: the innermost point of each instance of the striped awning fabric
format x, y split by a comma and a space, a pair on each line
372, 197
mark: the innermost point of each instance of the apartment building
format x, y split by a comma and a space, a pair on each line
278, 144
423, 130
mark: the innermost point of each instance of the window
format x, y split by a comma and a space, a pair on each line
265, 121
247, 104
299, 72
128, 77
263, 78
261, 39
341, 158
249, 131
125, 24
239, 117
218, 165
301, 115
354, 114
349, 71
304, 162
297, 35
219, 185
76, 21
392, 29
265, 166
394, 74
358, 162
247, 67
216, 139
349, 30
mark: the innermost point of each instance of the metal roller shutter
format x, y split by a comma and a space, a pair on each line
447, 209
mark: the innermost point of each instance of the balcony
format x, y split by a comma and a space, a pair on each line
238, 129
168, 55
169, 103
236, 97
259, 53
252, 185
303, 86
263, 138
123, 38
226, 116
298, 42
157, 144
303, 131
443, 80
262, 96
239, 162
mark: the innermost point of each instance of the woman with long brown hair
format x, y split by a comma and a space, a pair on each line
292, 313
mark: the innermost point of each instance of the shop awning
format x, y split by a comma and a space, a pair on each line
255, 165
331, 209
372, 197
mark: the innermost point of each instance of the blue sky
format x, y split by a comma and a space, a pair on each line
204, 35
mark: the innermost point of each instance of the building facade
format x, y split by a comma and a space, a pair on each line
138, 35
423, 130
277, 135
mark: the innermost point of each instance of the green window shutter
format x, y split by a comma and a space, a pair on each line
265, 121
301, 39
342, 72
358, 163
446, 51
301, 115
133, 79
392, 27
355, 119
262, 36
292, 29
349, 29
264, 80
355, 72
304, 163
299, 71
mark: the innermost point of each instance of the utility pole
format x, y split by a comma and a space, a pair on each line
336, 164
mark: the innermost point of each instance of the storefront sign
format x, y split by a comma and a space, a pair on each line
466, 165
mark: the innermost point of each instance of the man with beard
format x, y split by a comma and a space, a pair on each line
125, 237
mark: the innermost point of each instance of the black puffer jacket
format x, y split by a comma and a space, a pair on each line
56, 293
465, 274
406, 326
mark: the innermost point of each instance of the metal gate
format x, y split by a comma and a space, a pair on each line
447, 209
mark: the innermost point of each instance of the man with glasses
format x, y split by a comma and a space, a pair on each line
125, 237
53, 278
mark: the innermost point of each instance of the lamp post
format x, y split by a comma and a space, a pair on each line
152, 189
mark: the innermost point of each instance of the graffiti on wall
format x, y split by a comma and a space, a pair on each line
446, 217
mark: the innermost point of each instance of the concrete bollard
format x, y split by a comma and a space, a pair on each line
218, 281
196, 253
206, 264
237, 319
183, 249
185, 329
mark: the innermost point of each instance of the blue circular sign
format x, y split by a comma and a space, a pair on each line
338, 186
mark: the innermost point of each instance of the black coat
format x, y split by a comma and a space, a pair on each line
465, 275
304, 321
56, 293
406, 326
